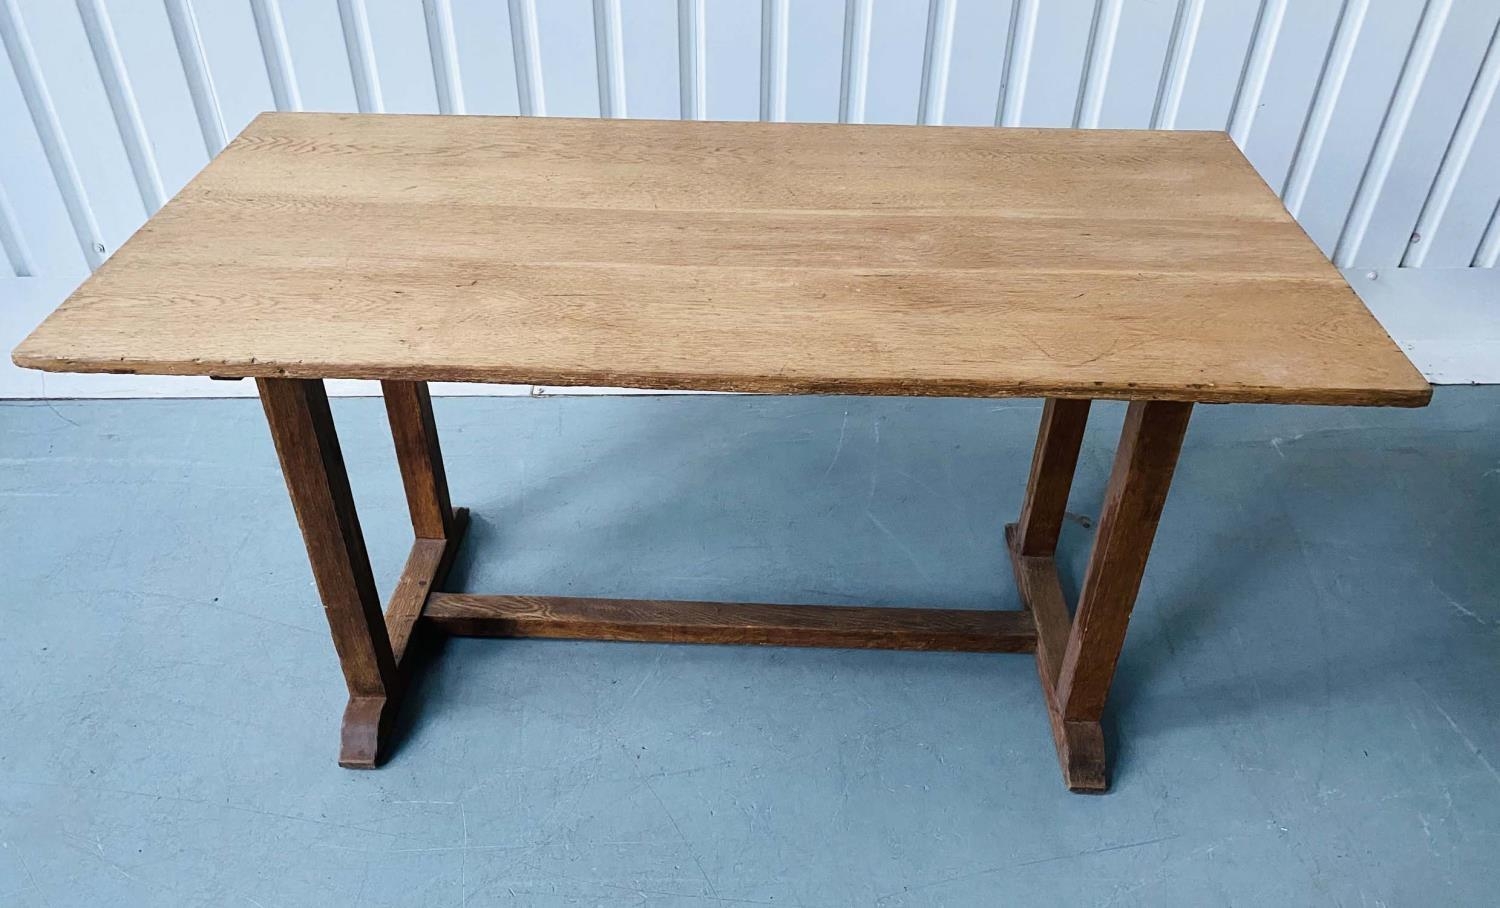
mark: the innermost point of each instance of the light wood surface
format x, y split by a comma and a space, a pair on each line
788, 258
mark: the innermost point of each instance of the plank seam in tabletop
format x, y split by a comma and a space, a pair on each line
773, 258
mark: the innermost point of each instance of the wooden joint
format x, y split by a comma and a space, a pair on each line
426, 569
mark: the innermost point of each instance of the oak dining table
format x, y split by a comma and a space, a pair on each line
1150, 267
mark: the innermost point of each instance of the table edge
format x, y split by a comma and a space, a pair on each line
1418, 394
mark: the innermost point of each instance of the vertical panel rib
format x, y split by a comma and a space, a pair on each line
525, 50
1018, 49
277, 52
1477, 107
49, 130
782, 34
692, 60
1103, 32
1392, 128
773, 52
767, 28
1340, 50
442, 47
1185, 24
11, 240
1488, 254
1257, 65
361, 52
1325, 100
200, 81
620, 101
855, 80
846, 66
122, 103
1007, 59
937, 60
609, 48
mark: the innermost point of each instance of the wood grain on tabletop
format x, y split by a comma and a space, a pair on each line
790, 258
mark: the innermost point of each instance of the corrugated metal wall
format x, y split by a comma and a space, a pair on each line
1373, 118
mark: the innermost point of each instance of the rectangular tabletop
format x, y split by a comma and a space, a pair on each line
787, 258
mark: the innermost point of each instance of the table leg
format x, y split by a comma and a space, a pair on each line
1052, 467
1133, 502
408, 405
437, 525
1076, 657
313, 465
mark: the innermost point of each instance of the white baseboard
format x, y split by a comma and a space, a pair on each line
1447, 321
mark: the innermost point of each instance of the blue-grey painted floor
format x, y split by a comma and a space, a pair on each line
1307, 710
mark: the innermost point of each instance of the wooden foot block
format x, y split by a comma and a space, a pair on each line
365, 731
1080, 752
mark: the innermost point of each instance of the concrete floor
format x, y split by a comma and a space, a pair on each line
1307, 710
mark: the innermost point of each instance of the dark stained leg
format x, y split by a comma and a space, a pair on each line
409, 407
1076, 657
1052, 466
1133, 502
302, 428
438, 526
1032, 542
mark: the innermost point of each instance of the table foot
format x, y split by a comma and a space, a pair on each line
1080, 753
366, 728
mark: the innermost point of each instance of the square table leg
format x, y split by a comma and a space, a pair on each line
408, 406
370, 645
1052, 468
1076, 657
438, 526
